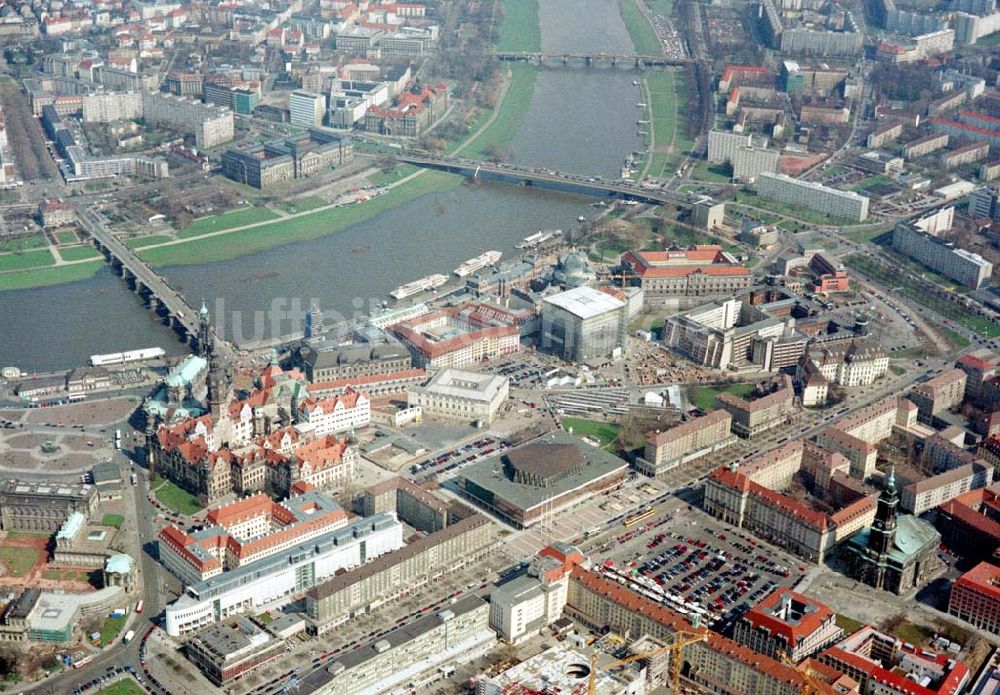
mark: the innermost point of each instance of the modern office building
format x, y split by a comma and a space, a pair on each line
232, 650
843, 204
463, 396
983, 202
282, 577
540, 479
583, 324
245, 531
306, 108
527, 604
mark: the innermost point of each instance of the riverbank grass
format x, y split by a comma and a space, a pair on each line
643, 35
512, 110
78, 253
227, 220
28, 259
520, 30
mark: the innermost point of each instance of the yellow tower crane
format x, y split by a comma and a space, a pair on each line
811, 685
681, 641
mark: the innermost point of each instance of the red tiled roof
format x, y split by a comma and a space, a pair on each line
762, 616
633, 602
984, 578
966, 126
742, 483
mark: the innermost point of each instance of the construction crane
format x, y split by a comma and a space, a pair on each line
811, 685
681, 641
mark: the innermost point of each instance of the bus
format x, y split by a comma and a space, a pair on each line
138, 606
83, 662
639, 518
73, 397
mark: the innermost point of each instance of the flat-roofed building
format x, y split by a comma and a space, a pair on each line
430, 559
541, 478
970, 269
409, 655
230, 651
831, 201
583, 324
282, 577
414, 505
464, 396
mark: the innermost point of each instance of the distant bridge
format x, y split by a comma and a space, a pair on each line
160, 297
547, 178
637, 61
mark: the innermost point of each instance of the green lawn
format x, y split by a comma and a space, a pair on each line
954, 336
850, 625
175, 498
909, 632
665, 88
863, 236
29, 259
125, 686
110, 629
643, 35
23, 244
303, 204
78, 253
18, 560
877, 180
44, 277
794, 211
311, 226
512, 110
909, 289
604, 432
227, 220
715, 173
385, 178
115, 520
66, 237
520, 31
703, 397
140, 242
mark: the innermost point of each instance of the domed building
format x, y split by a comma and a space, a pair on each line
119, 570
573, 270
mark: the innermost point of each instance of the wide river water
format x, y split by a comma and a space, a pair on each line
580, 120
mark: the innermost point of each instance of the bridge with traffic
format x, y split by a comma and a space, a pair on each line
162, 299
636, 61
547, 178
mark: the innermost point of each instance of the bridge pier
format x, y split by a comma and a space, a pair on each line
638, 64
565, 60
589, 60
614, 61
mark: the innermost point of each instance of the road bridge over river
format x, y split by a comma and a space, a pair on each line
161, 298
636, 61
547, 178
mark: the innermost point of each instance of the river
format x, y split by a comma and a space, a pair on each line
579, 119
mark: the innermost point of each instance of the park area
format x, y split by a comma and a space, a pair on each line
175, 498
603, 432
703, 397
125, 686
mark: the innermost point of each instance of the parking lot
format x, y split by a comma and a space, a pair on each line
453, 460
696, 565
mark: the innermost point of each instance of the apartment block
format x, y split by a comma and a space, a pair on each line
788, 623
686, 442
833, 202
925, 145
970, 269
751, 417
941, 393
973, 152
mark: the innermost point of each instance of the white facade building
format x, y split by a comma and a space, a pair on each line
454, 394
281, 578
846, 204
